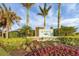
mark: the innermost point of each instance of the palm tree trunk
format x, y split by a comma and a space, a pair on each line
7, 30
44, 22
59, 19
7, 34
2, 33
27, 21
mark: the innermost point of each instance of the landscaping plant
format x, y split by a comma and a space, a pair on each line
59, 50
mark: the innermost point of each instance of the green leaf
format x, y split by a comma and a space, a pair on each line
9, 8
45, 6
40, 14
41, 9
49, 8
4, 7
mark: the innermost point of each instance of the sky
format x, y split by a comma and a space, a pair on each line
69, 15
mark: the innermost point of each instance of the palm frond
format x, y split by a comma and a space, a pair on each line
44, 11
40, 14
10, 9
18, 18
1, 9
4, 6
45, 6
41, 9
27, 5
49, 8
8, 16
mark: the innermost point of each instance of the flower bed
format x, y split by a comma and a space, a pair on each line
59, 50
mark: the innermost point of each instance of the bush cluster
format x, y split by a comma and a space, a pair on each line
14, 43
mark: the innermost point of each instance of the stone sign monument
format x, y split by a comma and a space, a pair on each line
45, 33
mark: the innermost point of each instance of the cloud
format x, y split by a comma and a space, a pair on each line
70, 22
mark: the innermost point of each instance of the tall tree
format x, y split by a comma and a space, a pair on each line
7, 18
59, 18
44, 12
28, 6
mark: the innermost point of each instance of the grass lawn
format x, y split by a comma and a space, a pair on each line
3, 52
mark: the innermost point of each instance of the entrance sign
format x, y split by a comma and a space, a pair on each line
45, 33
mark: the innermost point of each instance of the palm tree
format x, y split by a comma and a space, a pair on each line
44, 12
8, 16
28, 6
59, 18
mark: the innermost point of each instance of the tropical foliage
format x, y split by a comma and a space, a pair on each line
44, 12
7, 16
66, 43
24, 29
65, 31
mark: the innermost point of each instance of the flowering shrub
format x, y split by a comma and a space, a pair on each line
73, 41
59, 50
14, 43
